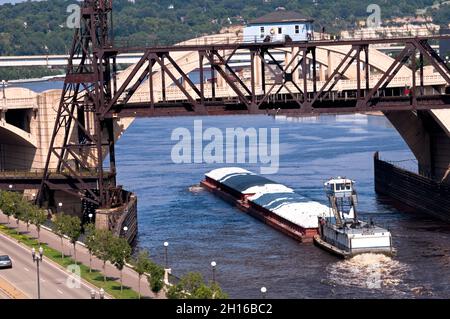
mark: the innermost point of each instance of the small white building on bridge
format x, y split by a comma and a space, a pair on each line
278, 25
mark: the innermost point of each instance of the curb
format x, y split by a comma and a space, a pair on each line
12, 292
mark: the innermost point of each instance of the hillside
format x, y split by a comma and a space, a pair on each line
31, 27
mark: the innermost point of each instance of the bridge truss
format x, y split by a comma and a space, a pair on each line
91, 100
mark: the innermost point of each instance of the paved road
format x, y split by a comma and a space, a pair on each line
3, 296
130, 278
23, 274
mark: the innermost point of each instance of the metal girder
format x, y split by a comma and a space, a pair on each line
91, 100
87, 89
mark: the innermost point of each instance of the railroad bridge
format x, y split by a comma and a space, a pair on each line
65, 136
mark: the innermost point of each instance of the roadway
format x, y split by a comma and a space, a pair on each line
23, 274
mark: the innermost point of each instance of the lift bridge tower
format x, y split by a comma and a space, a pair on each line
82, 138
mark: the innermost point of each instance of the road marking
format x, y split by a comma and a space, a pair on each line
26, 269
60, 291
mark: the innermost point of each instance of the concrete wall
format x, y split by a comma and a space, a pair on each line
427, 135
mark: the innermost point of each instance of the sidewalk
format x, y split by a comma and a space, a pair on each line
130, 277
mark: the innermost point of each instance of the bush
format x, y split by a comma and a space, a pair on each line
192, 286
156, 279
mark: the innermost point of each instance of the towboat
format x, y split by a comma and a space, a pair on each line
341, 232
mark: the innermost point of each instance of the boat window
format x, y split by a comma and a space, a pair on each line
280, 30
297, 29
262, 30
349, 187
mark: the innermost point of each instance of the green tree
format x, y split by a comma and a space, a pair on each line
7, 204
102, 248
141, 264
28, 216
39, 217
120, 254
192, 286
156, 279
20, 205
73, 231
90, 241
60, 228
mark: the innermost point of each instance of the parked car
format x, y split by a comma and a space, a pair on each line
5, 262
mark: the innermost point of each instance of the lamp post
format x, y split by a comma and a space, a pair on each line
213, 265
166, 256
263, 292
60, 207
90, 217
102, 293
10, 187
4, 85
37, 258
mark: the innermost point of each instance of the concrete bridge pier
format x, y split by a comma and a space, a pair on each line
428, 136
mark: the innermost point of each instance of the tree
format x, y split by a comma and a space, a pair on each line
120, 254
192, 286
27, 217
60, 227
102, 248
39, 217
90, 241
20, 206
73, 231
156, 279
7, 204
141, 264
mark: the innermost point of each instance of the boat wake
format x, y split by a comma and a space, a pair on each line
370, 271
196, 189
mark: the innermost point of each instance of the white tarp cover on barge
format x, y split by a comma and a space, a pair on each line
276, 198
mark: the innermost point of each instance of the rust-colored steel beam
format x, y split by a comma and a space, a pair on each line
91, 100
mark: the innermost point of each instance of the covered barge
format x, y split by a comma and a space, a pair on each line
275, 204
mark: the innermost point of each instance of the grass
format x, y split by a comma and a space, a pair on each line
95, 277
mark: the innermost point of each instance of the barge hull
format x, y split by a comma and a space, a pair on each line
286, 227
419, 192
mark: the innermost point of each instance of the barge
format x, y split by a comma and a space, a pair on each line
274, 204
343, 234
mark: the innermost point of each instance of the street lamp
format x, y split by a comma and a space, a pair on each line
10, 186
37, 259
93, 293
263, 292
102, 293
125, 229
90, 217
166, 257
4, 85
213, 265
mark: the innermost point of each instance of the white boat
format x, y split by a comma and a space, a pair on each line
343, 233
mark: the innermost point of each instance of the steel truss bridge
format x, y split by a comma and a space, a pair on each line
92, 98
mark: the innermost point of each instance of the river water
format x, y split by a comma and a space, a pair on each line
201, 228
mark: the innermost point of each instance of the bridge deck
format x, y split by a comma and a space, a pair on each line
21, 180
